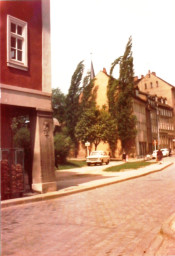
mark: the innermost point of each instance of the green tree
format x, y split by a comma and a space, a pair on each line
58, 104
63, 145
126, 120
72, 102
95, 126
87, 98
21, 138
120, 96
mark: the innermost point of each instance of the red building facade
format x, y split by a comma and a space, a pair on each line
25, 83
30, 12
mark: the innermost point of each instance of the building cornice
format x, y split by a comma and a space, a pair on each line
18, 96
21, 89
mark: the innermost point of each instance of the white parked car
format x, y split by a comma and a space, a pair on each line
154, 154
98, 157
165, 151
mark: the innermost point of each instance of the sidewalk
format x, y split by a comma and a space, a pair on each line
83, 179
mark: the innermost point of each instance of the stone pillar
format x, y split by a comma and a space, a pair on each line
43, 172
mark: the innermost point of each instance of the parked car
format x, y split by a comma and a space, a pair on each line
98, 157
165, 151
154, 154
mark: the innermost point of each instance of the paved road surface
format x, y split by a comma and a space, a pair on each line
116, 220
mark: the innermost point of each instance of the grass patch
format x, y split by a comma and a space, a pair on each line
128, 165
70, 164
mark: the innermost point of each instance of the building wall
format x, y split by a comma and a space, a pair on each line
30, 88
156, 86
139, 108
100, 88
166, 128
29, 11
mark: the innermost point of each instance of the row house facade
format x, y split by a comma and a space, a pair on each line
162, 97
155, 118
25, 84
155, 127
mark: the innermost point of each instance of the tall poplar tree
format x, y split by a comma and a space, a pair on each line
126, 120
58, 104
120, 95
72, 102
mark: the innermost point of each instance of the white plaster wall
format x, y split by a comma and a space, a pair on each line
46, 50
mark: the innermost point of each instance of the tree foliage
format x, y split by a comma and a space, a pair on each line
95, 126
62, 145
126, 121
72, 101
58, 105
18, 122
120, 92
87, 99
21, 138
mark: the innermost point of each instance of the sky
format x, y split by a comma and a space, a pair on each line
99, 30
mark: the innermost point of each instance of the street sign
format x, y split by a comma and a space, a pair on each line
87, 144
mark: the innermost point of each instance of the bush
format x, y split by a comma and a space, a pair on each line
22, 138
62, 144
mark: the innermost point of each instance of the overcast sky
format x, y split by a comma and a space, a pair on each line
103, 27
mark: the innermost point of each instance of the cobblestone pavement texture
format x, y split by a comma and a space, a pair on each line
116, 220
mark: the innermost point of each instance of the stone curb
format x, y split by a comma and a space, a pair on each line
74, 189
165, 231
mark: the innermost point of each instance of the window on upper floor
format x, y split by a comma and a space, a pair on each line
151, 85
17, 45
157, 84
145, 86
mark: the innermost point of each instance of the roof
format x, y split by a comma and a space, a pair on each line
154, 74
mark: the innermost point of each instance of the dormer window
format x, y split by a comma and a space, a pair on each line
17, 51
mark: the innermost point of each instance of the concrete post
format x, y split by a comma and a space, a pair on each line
43, 173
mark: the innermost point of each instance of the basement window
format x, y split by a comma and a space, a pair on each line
17, 49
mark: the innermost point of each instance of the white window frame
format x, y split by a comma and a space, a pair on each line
14, 63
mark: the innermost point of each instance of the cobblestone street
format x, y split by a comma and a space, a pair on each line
117, 220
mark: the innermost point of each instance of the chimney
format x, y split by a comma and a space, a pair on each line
104, 71
149, 73
154, 73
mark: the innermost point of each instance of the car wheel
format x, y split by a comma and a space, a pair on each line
88, 164
107, 162
102, 162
